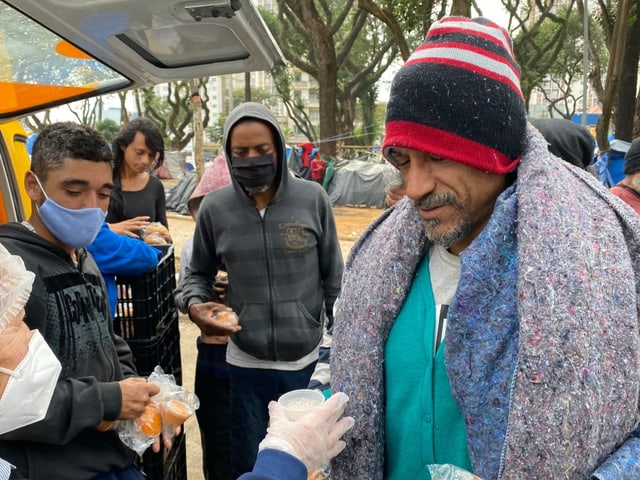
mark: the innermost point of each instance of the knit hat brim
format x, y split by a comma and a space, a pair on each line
440, 143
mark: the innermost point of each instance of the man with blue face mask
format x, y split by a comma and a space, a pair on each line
69, 184
275, 235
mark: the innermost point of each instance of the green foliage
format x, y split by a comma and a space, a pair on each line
108, 128
258, 95
215, 131
552, 50
173, 111
344, 49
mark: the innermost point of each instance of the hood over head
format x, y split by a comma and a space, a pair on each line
632, 158
571, 142
215, 176
261, 113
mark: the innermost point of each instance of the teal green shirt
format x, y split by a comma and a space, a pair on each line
423, 424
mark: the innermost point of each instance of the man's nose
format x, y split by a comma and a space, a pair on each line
91, 200
419, 179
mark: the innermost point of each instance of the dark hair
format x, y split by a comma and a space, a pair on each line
63, 140
154, 142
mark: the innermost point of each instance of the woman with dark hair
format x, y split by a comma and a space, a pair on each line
138, 197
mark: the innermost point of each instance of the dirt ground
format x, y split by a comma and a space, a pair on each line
350, 223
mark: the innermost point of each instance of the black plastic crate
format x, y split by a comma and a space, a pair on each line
145, 302
162, 349
167, 464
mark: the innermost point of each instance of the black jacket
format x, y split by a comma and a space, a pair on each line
68, 304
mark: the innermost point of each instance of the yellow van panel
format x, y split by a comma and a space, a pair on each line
15, 205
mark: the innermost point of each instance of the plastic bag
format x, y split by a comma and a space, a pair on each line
446, 471
167, 411
156, 234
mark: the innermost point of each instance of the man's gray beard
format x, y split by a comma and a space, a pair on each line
252, 190
445, 239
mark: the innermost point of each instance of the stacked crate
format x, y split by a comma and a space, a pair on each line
147, 318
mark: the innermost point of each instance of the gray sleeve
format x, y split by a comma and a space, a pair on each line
202, 269
185, 259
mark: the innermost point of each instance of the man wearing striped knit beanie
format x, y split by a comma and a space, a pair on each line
488, 321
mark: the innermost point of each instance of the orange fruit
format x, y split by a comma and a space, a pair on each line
175, 412
106, 425
227, 317
150, 422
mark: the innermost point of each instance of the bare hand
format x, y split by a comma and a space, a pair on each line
168, 443
131, 226
136, 395
203, 315
220, 287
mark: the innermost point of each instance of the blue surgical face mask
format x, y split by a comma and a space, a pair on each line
74, 228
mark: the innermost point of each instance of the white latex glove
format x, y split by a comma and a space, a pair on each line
315, 438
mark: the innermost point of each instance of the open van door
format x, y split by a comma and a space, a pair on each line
54, 52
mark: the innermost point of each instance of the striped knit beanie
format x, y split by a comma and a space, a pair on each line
458, 97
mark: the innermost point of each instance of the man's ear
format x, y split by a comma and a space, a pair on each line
32, 187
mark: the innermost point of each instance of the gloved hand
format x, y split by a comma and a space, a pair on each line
315, 438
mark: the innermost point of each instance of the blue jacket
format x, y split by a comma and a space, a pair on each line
121, 255
276, 465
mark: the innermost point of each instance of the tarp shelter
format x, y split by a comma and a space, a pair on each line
295, 162
357, 183
175, 163
178, 195
609, 164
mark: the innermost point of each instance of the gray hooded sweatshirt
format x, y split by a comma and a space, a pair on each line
283, 267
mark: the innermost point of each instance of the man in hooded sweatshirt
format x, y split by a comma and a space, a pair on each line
275, 236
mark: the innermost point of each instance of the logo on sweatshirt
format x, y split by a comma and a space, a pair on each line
295, 235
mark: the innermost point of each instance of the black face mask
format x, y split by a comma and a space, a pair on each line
254, 172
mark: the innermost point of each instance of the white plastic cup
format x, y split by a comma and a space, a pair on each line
297, 403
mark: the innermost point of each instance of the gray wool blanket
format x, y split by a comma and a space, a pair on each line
543, 340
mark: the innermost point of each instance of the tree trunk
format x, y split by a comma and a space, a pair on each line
247, 86
625, 108
391, 22
124, 114
461, 7
613, 75
636, 118
322, 37
198, 147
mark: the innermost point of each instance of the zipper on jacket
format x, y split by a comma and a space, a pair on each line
272, 330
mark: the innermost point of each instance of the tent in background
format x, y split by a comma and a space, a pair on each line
357, 183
